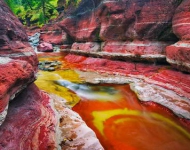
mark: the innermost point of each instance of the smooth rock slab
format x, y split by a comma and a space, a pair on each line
87, 47
37, 120
15, 75
149, 92
178, 55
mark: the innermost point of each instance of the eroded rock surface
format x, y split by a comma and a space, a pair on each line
18, 61
44, 122
123, 28
179, 54
158, 83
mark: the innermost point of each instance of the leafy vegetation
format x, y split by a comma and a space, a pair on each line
73, 2
37, 12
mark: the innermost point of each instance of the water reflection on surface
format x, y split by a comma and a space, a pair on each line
120, 121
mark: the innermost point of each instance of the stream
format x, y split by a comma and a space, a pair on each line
113, 111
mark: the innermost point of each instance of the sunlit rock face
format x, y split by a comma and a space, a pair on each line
18, 62
179, 54
124, 27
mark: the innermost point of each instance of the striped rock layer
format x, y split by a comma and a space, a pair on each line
18, 61
154, 83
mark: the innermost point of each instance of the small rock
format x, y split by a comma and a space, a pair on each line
45, 47
51, 69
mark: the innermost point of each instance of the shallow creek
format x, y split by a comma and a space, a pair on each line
113, 111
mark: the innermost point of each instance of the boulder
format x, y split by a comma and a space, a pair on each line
178, 54
45, 47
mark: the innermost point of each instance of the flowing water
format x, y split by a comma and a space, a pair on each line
119, 119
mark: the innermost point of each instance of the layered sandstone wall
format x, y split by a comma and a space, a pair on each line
138, 30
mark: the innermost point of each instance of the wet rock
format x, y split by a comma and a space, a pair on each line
45, 47
156, 83
49, 65
34, 39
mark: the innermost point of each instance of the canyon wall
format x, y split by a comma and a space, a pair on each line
139, 30
17, 59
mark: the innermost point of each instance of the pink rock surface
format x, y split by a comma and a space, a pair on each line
87, 47
178, 55
15, 75
135, 47
43, 122
53, 34
12, 33
181, 21
30, 123
45, 47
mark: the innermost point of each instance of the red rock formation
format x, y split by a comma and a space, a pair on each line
53, 34
151, 83
18, 61
125, 22
179, 54
45, 47
87, 47
43, 122
30, 123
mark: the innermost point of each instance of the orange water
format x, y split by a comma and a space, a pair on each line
119, 119
126, 124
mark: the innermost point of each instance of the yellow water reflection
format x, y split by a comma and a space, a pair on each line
120, 121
